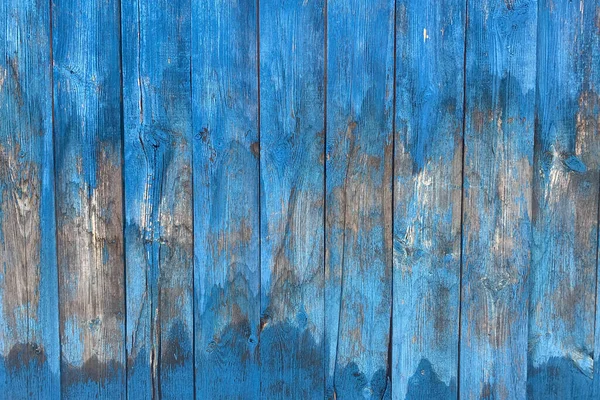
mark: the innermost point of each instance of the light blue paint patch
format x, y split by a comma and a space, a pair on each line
72, 349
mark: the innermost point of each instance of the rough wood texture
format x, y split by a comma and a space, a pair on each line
427, 197
292, 198
499, 130
29, 343
358, 266
87, 127
226, 198
565, 205
158, 198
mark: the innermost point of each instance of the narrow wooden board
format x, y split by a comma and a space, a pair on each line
88, 127
226, 198
29, 342
158, 198
358, 266
499, 130
292, 147
565, 204
430, 40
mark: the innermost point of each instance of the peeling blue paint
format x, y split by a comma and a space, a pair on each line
299, 199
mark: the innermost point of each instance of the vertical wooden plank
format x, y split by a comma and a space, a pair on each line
500, 103
594, 125
226, 198
158, 198
292, 204
565, 204
87, 115
427, 197
29, 343
360, 53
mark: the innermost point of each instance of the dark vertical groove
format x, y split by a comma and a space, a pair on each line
258, 332
325, 69
462, 197
53, 133
535, 177
193, 206
123, 209
391, 334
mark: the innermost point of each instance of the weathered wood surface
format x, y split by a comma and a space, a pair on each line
427, 197
89, 206
358, 261
29, 342
299, 199
226, 198
565, 203
158, 198
292, 199
500, 73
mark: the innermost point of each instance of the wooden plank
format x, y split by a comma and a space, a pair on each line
500, 104
158, 198
29, 342
427, 197
226, 198
565, 204
87, 116
292, 204
360, 61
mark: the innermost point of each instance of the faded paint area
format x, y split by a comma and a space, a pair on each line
90, 260
29, 342
427, 199
565, 205
21, 235
226, 198
358, 225
292, 148
89, 197
498, 159
228, 299
158, 198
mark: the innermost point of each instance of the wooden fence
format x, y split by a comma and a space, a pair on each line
299, 199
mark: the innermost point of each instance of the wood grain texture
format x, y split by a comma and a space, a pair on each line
565, 205
499, 130
292, 198
29, 342
427, 197
226, 198
87, 128
158, 198
300, 199
358, 266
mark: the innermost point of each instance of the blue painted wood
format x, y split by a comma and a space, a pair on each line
565, 204
226, 198
158, 198
272, 212
29, 342
292, 198
500, 103
430, 39
358, 267
89, 207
